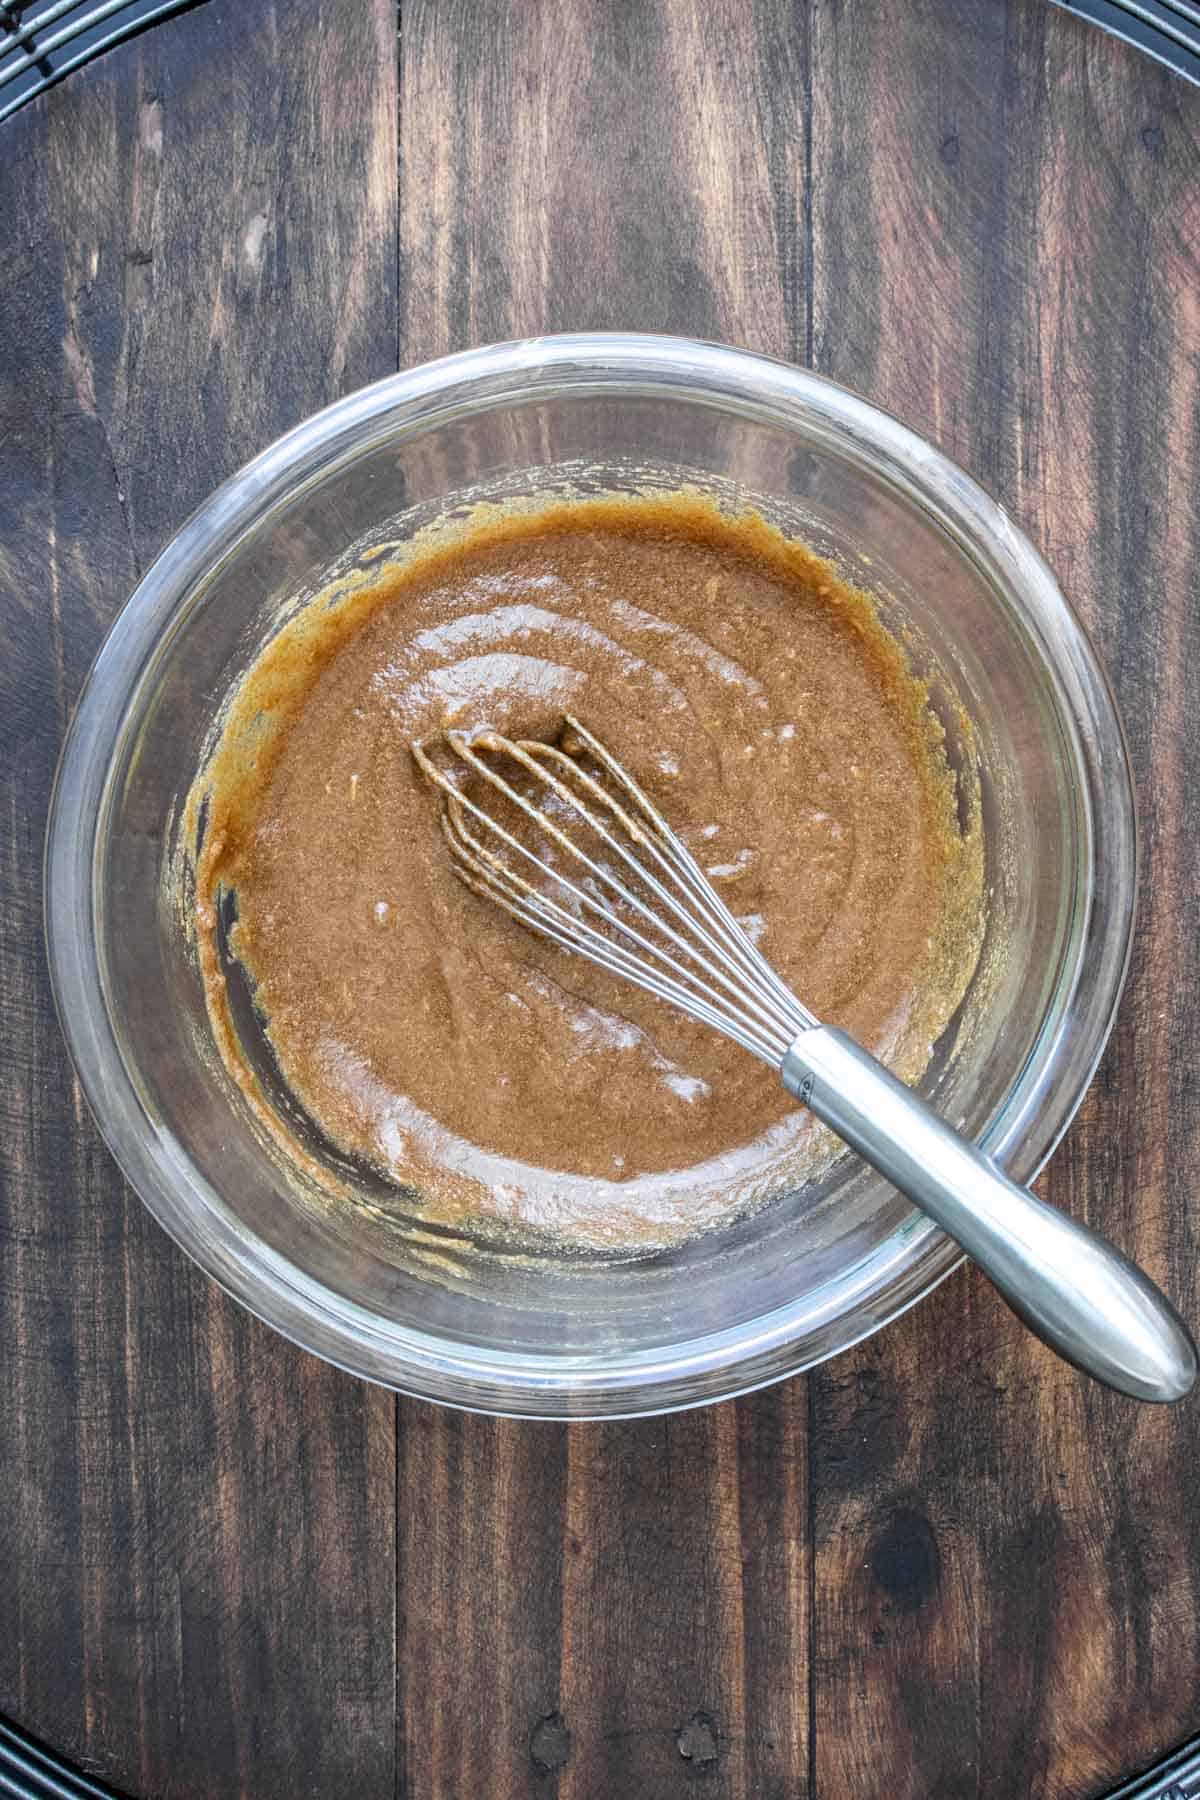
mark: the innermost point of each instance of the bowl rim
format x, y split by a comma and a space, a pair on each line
717, 1365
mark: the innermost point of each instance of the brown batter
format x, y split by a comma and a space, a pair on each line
766, 711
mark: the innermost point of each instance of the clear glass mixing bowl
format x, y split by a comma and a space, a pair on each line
819, 1268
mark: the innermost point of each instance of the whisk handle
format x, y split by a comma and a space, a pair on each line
1074, 1290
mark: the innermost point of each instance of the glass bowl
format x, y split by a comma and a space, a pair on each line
819, 1268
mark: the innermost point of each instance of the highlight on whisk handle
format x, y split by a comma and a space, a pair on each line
1074, 1290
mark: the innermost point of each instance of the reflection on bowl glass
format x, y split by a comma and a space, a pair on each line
760, 1297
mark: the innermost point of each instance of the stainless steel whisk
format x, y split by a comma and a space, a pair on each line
654, 918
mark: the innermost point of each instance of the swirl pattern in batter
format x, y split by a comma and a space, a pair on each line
771, 717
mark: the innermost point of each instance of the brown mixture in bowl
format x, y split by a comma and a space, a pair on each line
770, 716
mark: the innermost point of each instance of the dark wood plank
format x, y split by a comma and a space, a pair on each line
624, 1605
199, 236
585, 166
685, 1604
1007, 225
479, 1556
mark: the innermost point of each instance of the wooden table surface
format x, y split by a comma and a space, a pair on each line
942, 1566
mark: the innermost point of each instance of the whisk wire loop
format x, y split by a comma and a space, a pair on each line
482, 871
711, 969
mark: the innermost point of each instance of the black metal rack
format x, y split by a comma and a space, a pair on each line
28, 1771
43, 40
1168, 30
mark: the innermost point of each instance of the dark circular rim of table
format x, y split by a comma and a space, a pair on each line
42, 42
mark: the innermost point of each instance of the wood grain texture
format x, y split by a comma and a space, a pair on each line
942, 1566
187, 1504
1007, 1586
601, 167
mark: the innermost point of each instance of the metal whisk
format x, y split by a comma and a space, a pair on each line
606, 877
